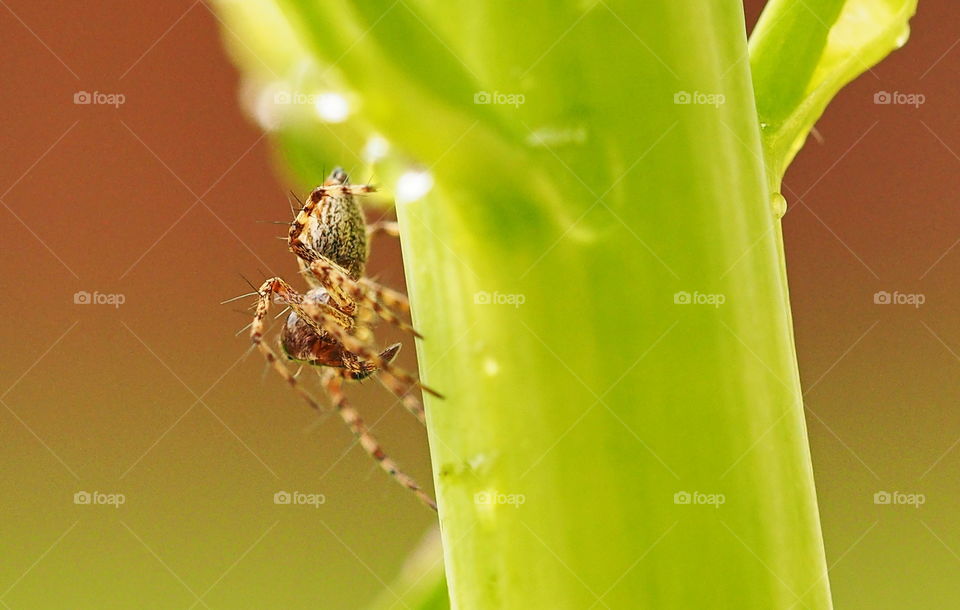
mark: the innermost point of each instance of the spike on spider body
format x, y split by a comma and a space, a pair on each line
329, 326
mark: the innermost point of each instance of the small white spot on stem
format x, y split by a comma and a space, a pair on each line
413, 185
375, 149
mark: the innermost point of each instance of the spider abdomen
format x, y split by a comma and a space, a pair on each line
301, 341
338, 233
331, 227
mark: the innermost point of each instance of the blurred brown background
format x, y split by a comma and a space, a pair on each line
156, 200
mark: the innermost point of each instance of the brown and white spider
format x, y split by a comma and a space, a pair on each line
329, 326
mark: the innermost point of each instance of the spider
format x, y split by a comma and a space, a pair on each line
329, 326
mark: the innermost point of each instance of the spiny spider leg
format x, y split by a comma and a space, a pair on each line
347, 292
410, 402
332, 382
257, 328
358, 369
391, 298
387, 227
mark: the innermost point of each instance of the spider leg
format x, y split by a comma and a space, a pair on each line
257, 327
347, 291
332, 382
410, 402
358, 370
389, 297
387, 227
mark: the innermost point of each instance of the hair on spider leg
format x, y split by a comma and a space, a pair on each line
294, 210
247, 314
243, 296
237, 298
318, 421
249, 283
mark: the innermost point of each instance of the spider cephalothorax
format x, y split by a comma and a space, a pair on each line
328, 327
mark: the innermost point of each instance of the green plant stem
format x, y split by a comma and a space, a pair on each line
599, 398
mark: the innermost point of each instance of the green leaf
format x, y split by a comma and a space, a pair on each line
803, 52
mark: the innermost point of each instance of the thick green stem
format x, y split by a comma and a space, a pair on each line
574, 418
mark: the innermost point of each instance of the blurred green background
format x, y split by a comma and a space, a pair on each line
158, 199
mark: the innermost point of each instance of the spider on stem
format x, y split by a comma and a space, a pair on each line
329, 326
